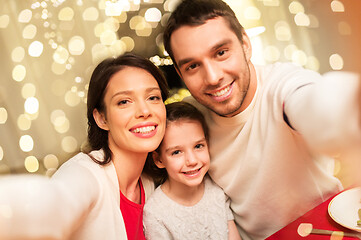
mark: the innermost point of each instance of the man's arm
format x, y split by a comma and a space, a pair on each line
327, 113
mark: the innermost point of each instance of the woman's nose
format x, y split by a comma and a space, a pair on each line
143, 110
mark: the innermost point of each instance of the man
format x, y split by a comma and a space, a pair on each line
273, 128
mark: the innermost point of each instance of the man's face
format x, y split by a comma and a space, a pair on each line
214, 65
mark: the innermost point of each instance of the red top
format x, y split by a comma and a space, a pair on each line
133, 215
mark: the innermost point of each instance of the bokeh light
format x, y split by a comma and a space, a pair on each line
3, 115
344, 28
25, 16
24, 122
31, 105
66, 14
271, 54
29, 31
61, 55
283, 31
299, 57
60, 121
296, 7
36, 49
26, 143
108, 37
337, 6
31, 164
17, 55
302, 19
51, 161
4, 21
91, 14
71, 98
69, 144
153, 15
1, 153
336, 62
28, 90
19, 73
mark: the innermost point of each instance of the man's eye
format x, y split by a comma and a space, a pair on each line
192, 66
221, 53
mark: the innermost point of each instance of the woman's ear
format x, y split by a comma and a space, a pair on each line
100, 120
157, 160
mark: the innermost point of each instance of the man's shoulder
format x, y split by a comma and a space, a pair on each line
279, 68
285, 75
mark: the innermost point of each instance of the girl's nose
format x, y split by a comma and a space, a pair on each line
191, 159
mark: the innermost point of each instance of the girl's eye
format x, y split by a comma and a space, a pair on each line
199, 146
176, 152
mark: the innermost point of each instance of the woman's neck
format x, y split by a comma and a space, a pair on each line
129, 167
182, 194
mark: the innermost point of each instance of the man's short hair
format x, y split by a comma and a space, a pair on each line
197, 12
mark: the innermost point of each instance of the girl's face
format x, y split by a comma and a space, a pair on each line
135, 113
184, 154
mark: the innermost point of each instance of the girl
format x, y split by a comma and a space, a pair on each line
99, 194
188, 205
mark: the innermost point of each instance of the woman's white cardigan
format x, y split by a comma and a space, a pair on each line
80, 201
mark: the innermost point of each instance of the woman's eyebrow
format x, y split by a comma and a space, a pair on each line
129, 92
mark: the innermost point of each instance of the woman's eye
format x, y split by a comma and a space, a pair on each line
122, 102
155, 98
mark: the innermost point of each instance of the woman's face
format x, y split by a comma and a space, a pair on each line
135, 113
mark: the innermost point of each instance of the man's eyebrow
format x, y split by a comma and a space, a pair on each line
221, 44
184, 61
214, 48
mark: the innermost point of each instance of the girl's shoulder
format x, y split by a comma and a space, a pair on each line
156, 202
212, 189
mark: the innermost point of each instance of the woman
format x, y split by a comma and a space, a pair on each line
99, 194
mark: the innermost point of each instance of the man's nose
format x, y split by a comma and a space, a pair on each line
213, 72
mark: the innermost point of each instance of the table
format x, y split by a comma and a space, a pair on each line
319, 218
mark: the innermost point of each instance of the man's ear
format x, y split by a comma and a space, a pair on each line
100, 120
157, 160
247, 46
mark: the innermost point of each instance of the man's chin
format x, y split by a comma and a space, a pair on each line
225, 112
